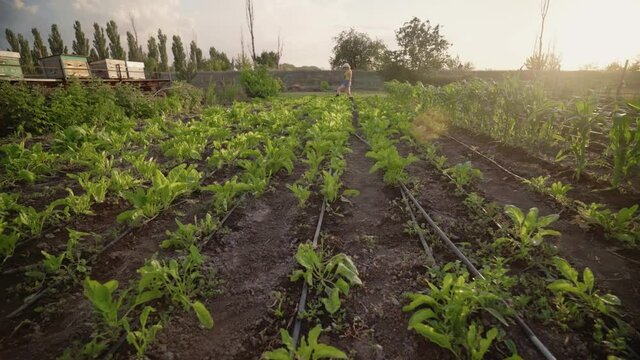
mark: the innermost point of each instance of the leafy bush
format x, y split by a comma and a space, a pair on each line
324, 86
189, 96
69, 106
21, 106
259, 83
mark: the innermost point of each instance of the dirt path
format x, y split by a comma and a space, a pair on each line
582, 248
253, 260
389, 262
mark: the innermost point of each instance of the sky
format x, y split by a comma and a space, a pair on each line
492, 34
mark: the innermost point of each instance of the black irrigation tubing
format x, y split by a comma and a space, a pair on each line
428, 251
528, 331
521, 178
305, 288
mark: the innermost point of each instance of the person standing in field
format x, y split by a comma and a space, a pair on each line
345, 85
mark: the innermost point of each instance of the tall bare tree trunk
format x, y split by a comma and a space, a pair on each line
250, 22
545, 10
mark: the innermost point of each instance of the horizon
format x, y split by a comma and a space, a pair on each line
503, 43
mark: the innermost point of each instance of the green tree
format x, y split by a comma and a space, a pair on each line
39, 48
80, 45
270, 59
25, 55
56, 44
195, 55
183, 69
163, 66
100, 42
218, 60
115, 46
151, 61
358, 50
12, 39
135, 50
543, 62
422, 47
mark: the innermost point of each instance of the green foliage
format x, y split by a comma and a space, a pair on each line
582, 291
324, 86
330, 278
623, 226
26, 164
583, 121
358, 50
392, 163
302, 193
259, 83
103, 300
179, 281
23, 107
528, 230
142, 338
187, 235
308, 350
624, 146
444, 316
163, 191
225, 193
464, 174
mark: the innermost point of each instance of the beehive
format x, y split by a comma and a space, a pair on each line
65, 66
135, 70
109, 69
10, 65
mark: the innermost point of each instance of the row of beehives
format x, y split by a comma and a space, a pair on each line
69, 66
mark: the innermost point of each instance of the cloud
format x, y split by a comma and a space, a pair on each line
20, 5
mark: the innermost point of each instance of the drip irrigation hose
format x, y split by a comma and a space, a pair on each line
474, 271
305, 288
488, 158
530, 334
430, 260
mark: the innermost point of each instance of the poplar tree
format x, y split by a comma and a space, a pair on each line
99, 43
80, 45
163, 66
117, 52
56, 44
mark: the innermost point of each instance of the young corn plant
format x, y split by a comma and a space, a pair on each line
528, 231
582, 121
330, 278
624, 146
309, 349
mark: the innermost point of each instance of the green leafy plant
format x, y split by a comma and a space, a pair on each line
225, 193
104, 302
188, 234
259, 83
624, 146
623, 226
583, 291
443, 316
179, 281
302, 193
143, 337
330, 278
528, 230
464, 173
163, 191
392, 163
308, 350
559, 190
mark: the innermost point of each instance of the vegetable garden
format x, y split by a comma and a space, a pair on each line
475, 220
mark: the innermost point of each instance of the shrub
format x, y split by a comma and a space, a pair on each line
69, 106
230, 92
134, 102
21, 106
324, 86
190, 97
259, 83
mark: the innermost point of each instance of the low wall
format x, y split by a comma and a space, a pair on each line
560, 83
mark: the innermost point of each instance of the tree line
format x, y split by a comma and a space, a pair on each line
106, 44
